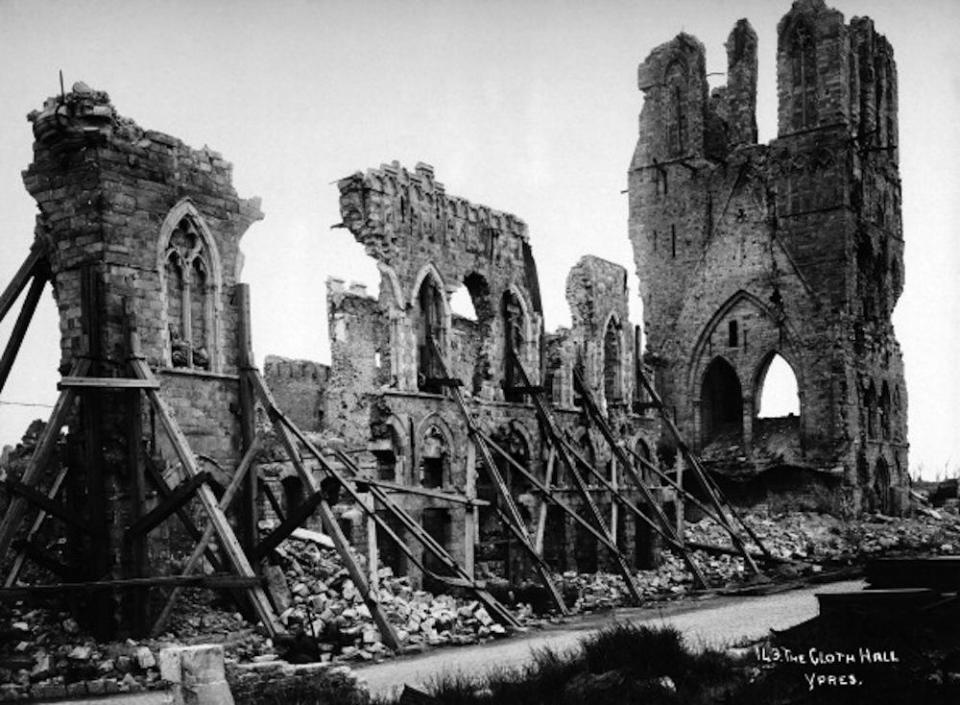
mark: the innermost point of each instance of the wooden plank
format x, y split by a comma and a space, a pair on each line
20, 279
248, 510
506, 498
228, 539
180, 495
45, 559
540, 532
203, 540
417, 531
38, 461
713, 493
20, 328
573, 471
663, 526
34, 528
50, 506
295, 517
285, 429
422, 491
210, 581
471, 515
107, 383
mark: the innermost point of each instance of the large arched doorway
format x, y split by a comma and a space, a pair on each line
721, 402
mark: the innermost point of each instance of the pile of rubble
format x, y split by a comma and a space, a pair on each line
324, 598
45, 656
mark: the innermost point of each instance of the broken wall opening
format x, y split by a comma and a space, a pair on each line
721, 403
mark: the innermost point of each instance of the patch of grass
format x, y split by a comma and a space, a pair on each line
624, 663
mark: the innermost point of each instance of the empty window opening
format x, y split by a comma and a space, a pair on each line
721, 402
429, 326
292, 493
804, 57
673, 241
881, 486
676, 122
436, 523
434, 459
461, 304
884, 411
733, 334
390, 554
513, 342
613, 363
779, 395
870, 402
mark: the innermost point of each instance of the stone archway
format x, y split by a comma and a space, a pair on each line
721, 401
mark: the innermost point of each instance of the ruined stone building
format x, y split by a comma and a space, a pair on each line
744, 252
380, 395
794, 248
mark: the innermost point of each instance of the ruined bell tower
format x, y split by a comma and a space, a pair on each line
794, 249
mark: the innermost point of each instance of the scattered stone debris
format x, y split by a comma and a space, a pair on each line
45, 654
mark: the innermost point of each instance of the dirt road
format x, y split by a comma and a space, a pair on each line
717, 622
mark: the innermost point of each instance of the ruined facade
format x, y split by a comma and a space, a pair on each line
793, 248
382, 395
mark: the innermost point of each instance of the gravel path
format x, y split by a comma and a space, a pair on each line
716, 622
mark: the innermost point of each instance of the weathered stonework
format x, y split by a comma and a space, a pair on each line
138, 229
379, 396
793, 248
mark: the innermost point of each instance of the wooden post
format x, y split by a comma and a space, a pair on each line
20, 280
138, 543
248, 513
373, 549
544, 503
232, 549
20, 328
99, 560
470, 514
330, 525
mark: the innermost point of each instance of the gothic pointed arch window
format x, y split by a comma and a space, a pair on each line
803, 56
613, 363
430, 336
513, 344
190, 276
675, 81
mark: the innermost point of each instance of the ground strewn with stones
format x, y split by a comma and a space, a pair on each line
45, 654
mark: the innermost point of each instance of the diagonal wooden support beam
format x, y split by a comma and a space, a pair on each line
235, 555
295, 517
713, 493
50, 506
46, 560
34, 528
178, 497
20, 279
664, 527
285, 428
20, 328
465, 579
39, 460
556, 439
203, 540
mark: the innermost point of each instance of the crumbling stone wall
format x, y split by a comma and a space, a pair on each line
793, 248
297, 386
139, 230
380, 394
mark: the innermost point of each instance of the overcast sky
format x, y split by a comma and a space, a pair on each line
527, 106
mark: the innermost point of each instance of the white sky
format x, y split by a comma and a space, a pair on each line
527, 106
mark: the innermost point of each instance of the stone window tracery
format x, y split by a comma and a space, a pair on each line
804, 55
190, 291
